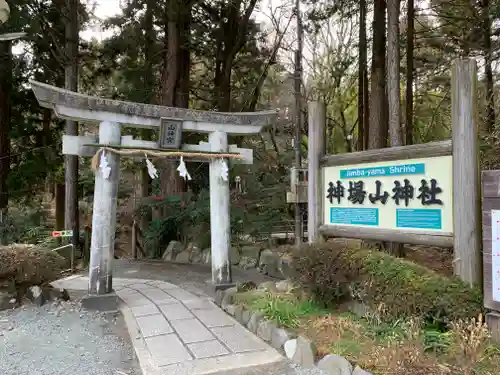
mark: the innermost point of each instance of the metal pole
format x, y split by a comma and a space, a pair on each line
298, 122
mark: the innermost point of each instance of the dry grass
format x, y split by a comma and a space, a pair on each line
26, 265
405, 348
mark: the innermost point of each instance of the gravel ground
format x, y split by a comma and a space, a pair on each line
62, 339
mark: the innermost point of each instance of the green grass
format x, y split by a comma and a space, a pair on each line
285, 310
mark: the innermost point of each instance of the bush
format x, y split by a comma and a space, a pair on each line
25, 265
390, 285
321, 269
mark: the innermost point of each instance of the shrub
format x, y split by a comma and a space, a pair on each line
320, 268
26, 265
377, 279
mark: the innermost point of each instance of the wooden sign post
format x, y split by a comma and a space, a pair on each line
491, 249
424, 194
112, 115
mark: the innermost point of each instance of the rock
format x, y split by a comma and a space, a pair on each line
251, 251
219, 296
235, 255
334, 364
247, 263
358, 308
182, 257
278, 337
230, 309
268, 262
173, 248
246, 286
238, 313
5, 300
195, 253
206, 256
359, 371
35, 295
285, 286
54, 294
245, 317
285, 269
268, 286
253, 322
265, 330
305, 353
290, 348
228, 297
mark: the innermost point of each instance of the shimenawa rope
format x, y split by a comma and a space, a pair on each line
159, 154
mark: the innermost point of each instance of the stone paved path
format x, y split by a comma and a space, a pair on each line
175, 332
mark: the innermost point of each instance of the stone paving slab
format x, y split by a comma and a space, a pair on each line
207, 349
149, 309
175, 311
175, 332
201, 304
182, 295
153, 325
214, 318
191, 330
167, 349
159, 296
238, 339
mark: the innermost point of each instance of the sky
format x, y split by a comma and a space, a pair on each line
108, 8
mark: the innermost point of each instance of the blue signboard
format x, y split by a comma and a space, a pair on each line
391, 170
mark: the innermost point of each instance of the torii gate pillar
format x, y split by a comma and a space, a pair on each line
220, 222
102, 244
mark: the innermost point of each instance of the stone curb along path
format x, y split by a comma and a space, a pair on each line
175, 332
299, 350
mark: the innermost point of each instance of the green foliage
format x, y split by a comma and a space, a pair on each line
436, 340
25, 224
286, 310
407, 289
394, 287
180, 213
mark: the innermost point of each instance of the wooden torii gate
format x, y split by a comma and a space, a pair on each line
111, 115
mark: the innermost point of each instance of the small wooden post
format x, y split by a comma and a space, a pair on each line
134, 239
220, 222
104, 215
315, 150
466, 193
86, 244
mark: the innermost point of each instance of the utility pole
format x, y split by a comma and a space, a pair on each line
298, 121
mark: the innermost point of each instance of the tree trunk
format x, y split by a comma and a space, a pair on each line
149, 90
378, 98
224, 85
5, 90
490, 96
393, 81
409, 71
361, 75
366, 108
394, 93
71, 83
170, 181
184, 59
